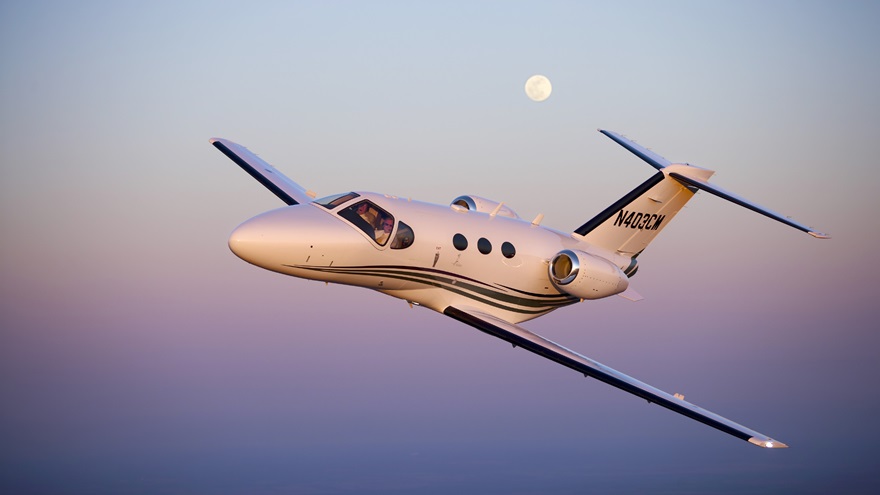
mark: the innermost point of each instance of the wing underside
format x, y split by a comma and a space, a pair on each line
546, 348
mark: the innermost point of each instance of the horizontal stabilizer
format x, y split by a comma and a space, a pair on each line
721, 193
693, 178
289, 191
640, 151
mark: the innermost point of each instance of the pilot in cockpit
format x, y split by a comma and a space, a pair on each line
363, 211
383, 233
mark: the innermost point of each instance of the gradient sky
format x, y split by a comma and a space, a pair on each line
139, 355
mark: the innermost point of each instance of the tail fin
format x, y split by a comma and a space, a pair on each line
633, 221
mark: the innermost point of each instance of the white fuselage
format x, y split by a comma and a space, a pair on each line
314, 242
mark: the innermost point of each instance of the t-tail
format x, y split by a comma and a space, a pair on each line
633, 221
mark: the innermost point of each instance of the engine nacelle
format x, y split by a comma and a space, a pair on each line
476, 203
586, 276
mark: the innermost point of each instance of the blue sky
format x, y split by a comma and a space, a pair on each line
138, 355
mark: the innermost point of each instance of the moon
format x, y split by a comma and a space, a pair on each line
538, 88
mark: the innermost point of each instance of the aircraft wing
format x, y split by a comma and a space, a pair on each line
521, 337
289, 191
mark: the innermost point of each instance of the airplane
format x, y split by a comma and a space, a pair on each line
476, 261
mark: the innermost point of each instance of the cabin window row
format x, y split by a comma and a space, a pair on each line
483, 245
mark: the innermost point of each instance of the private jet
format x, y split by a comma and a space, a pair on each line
476, 261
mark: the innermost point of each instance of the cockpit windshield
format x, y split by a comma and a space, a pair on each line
331, 202
374, 221
377, 223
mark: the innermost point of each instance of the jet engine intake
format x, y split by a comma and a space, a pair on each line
483, 205
586, 276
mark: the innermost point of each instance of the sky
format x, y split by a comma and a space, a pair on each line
139, 355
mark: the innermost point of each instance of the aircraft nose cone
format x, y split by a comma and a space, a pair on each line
279, 239
247, 241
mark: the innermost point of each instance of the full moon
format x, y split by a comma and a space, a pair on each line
538, 88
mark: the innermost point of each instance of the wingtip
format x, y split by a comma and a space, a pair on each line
819, 235
767, 443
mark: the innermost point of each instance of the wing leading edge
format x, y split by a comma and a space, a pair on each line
532, 342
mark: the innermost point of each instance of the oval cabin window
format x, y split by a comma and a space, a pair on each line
484, 246
460, 242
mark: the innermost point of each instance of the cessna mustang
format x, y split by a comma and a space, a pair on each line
477, 261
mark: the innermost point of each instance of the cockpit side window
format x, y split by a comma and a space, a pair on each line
404, 236
374, 221
331, 202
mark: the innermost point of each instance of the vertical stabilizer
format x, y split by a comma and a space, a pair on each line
632, 222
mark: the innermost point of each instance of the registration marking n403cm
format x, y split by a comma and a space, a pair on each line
638, 220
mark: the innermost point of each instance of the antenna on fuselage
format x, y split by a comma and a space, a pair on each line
496, 210
537, 220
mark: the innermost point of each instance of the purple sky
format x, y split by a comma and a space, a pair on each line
139, 355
